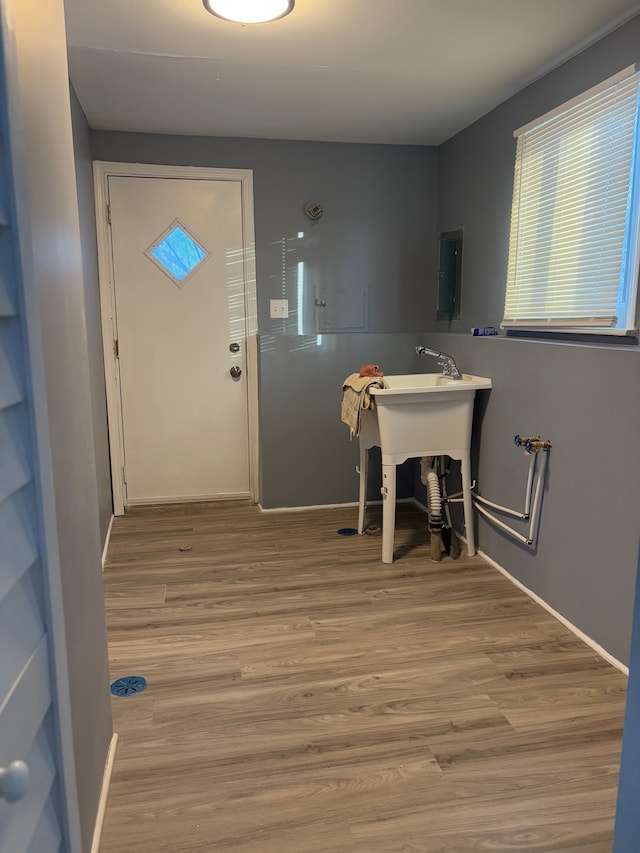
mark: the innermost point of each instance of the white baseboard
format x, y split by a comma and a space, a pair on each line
104, 792
107, 539
580, 634
327, 506
184, 499
305, 508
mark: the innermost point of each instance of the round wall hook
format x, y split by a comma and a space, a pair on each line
313, 210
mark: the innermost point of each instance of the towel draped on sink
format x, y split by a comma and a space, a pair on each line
356, 397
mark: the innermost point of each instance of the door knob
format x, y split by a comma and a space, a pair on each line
13, 781
235, 371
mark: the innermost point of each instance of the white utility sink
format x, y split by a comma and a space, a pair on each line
409, 382
421, 414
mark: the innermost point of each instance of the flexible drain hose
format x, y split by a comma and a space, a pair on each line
431, 481
435, 501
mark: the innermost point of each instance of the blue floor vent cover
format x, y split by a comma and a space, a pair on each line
128, 685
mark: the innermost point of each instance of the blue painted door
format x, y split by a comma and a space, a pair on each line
31, 817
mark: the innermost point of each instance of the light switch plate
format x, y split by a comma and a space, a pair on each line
279, 308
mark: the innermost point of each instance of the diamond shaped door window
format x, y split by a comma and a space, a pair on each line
177, 253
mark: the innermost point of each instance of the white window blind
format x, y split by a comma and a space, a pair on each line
573, 247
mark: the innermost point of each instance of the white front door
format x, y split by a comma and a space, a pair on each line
178, 253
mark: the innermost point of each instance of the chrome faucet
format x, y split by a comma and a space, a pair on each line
445, 361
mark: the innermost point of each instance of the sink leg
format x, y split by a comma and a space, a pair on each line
388, 511
468, 506
364, 464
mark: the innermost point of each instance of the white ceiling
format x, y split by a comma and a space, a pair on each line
387, 71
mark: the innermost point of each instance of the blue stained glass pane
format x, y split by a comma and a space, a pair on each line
178, 253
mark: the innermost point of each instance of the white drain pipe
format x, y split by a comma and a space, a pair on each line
524, 515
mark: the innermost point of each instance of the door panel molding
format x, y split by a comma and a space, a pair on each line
103, 170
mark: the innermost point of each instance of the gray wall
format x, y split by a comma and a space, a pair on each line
86, 209
585, 398
310, 458
50, 196
375, 242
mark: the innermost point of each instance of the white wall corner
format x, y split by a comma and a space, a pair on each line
107, 539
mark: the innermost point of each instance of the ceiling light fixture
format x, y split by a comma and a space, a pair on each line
249, 11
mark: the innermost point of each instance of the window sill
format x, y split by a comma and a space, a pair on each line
615, 341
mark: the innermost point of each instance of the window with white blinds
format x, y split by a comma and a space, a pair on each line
573, 247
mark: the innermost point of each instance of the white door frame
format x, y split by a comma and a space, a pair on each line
102, 171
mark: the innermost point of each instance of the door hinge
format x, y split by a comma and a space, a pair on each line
124, 475
109, 214
116, 348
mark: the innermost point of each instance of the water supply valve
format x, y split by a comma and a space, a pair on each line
531, 443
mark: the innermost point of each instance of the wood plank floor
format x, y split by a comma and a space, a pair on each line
303, 697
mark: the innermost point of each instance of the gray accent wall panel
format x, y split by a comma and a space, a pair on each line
308, 457
86, 209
